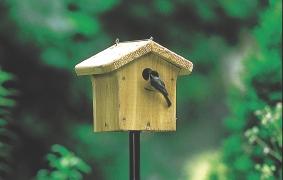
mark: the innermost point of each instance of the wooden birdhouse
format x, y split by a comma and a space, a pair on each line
124, 99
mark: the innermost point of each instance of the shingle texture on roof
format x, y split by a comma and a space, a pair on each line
122, 53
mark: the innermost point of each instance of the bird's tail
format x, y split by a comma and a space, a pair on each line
167, 100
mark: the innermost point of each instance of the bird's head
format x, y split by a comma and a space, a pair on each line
154, 73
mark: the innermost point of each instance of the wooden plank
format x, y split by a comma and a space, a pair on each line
141, 109
105, 102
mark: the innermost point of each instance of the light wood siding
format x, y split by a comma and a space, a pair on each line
141, 109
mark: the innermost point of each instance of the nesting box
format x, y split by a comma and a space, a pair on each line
122, 101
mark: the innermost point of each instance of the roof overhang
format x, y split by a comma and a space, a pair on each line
122, 53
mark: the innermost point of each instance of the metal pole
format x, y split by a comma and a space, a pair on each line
134, 148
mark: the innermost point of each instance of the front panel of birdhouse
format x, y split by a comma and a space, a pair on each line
122, 101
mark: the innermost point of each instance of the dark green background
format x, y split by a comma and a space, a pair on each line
42, 40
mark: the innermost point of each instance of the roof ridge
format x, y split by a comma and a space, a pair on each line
117, 56
137, 40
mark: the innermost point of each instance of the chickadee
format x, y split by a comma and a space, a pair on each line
156, 83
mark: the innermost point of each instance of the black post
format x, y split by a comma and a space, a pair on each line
134, 148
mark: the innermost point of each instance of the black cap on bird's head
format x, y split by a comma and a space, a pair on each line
146, 73
154, 73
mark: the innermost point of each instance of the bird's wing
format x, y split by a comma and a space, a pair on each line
159, 85
157, 78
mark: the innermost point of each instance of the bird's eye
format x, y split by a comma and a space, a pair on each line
146, 72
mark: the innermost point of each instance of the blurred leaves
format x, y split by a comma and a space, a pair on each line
41, 41
206, 165
85, 24
7, 136
267, 137
262, 80
64, 165
60, 27
165, 7
255, 108
100, 147
206, 10
4, 92
239, 8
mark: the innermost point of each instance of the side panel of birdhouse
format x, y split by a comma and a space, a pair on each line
105, 102
142, 109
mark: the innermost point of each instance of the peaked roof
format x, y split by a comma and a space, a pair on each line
122, 53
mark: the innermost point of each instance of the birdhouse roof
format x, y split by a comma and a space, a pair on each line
122, 53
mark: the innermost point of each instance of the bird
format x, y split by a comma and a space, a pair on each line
155, 81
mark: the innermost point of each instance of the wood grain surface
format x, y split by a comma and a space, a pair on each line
122, 103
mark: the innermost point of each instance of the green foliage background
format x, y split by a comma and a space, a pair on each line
236, 50
261, 79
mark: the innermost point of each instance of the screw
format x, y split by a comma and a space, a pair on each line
117, 41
